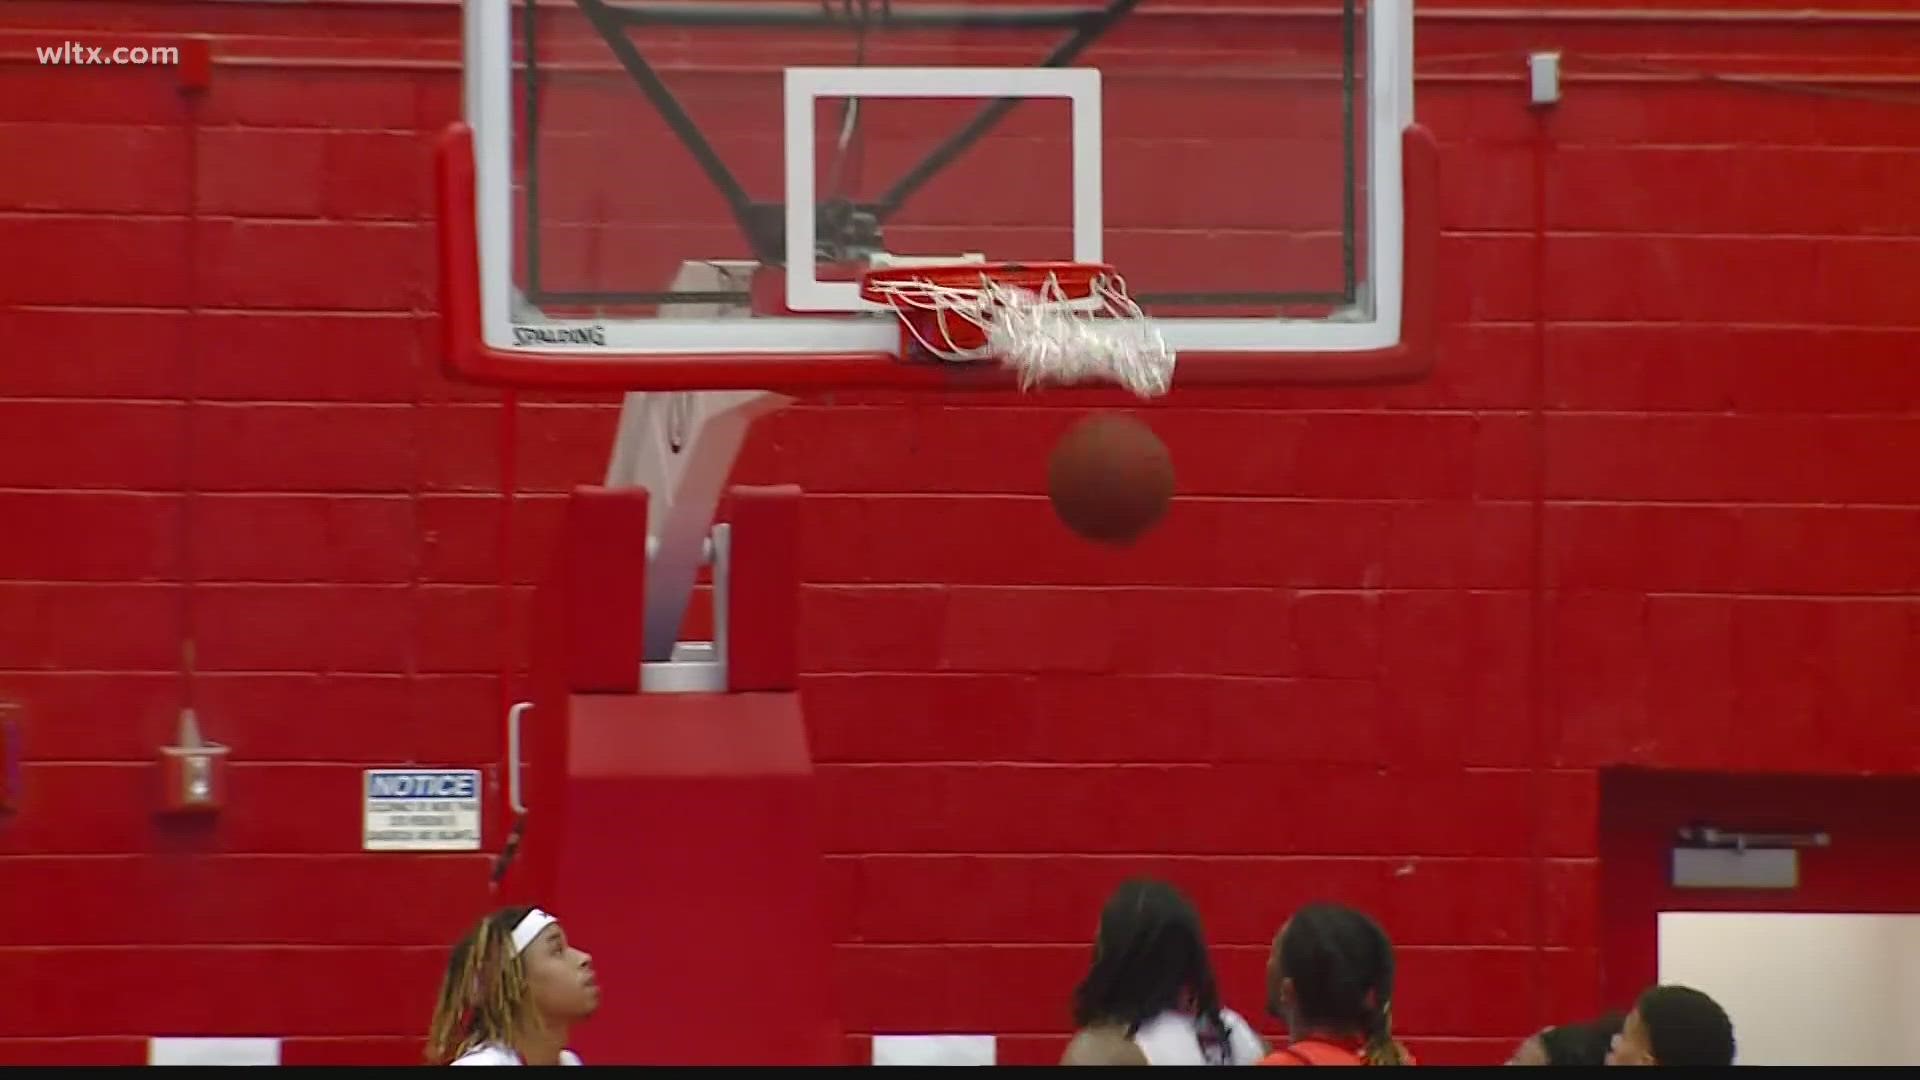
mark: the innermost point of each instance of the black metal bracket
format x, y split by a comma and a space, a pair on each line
844, 230
607, 20
1084, 35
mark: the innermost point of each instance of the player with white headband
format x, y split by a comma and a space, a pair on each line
513, 991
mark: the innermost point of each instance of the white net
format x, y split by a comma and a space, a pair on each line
1045, 335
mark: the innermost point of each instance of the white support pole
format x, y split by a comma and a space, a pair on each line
681, 446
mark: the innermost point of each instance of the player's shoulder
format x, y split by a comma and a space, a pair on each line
1168, 1039
1172, 1038
488, 1054
1103, 1045
1248, 1046
1234, 1021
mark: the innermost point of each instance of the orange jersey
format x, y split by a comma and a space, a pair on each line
1317, 1052
1312, 1052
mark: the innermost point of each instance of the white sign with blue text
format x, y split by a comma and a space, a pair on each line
422, 810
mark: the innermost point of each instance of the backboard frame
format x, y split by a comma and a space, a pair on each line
485, 343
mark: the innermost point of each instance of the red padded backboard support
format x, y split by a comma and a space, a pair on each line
763, 588
606, 597
468, 356
690, 867
677, 835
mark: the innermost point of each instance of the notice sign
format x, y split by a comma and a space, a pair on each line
423, 810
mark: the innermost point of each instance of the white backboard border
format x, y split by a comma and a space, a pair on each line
806, 86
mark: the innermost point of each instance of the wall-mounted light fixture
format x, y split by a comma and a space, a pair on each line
193, 772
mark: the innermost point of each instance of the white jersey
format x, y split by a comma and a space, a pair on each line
1173, 1038
495, 1054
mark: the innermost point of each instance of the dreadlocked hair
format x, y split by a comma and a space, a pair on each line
1341, 965
483, 998
1150, 956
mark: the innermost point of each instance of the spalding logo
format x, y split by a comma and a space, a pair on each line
560, 335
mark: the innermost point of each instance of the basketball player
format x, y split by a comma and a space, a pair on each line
1585, 1043
514, 988
1674, 1025
1330, 980
1152, 984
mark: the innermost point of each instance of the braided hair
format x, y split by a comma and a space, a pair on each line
1341, 967
1150, 956
484, 996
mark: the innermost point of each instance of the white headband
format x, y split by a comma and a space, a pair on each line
529, 928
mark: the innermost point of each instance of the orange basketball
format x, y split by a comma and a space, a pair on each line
1110, 478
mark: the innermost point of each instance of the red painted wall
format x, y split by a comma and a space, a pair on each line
1653, 509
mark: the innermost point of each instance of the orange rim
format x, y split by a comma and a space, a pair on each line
1075, 279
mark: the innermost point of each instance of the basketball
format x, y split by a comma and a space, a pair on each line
1110, 478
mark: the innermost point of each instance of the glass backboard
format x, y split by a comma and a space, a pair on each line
682, 194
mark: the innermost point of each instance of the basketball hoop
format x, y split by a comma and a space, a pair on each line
1052, 322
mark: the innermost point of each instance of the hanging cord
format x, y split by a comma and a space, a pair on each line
191, 91
508, 438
